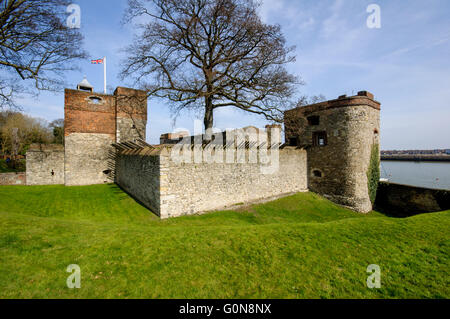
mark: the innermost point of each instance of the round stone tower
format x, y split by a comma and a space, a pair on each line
339, 136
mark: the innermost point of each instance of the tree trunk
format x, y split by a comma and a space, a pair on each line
209, 117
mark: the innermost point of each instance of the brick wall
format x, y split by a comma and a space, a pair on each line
87, 112
93, 122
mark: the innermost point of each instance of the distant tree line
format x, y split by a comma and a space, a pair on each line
416, 152
18, 131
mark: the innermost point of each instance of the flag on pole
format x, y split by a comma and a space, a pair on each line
98, 61
102, 61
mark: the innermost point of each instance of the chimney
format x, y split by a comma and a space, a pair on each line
366, 93
172, 138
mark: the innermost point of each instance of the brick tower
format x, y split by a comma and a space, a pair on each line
93, 121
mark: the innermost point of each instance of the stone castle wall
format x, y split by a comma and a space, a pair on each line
9, 179
130, 129
173, 189
349, 127
330, 154
45, 165
93, 122
139, 175
87, 159
90, 129
131, 114
405, 201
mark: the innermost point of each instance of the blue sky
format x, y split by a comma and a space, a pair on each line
405, 63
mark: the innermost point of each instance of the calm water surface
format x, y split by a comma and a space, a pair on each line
422, 174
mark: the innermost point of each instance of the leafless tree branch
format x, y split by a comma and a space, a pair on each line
35, 45
206, 54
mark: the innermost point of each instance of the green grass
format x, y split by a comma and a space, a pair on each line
301, 246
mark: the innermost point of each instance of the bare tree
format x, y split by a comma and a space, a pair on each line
18, 131
207, 54
57, 126
35, 44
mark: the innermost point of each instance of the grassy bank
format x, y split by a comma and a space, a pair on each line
301, 246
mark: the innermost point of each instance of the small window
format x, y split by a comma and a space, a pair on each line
293, 141
95, 100
319, 139
314, 120
317, 173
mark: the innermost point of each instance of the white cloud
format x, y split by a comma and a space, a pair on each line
334, 23
269, 8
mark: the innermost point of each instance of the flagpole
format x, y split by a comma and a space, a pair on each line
104, 74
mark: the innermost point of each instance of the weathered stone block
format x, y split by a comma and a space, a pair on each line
45, 165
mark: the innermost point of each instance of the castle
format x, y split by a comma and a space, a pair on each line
327, 151
338, 136
92, 123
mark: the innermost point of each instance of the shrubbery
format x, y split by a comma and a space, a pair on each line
373, 173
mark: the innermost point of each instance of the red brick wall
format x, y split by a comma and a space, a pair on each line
82, 115
131, 103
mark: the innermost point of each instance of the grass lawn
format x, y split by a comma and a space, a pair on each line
301, 246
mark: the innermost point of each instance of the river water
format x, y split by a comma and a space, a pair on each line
422, 174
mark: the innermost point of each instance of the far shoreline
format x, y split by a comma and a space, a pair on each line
415, 158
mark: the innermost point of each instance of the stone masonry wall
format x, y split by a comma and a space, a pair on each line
87, 158
93, 122
45, 165
130, 129
338, 170
191, 188
131, 110
173, 189
404, 201
13, 179
139, 176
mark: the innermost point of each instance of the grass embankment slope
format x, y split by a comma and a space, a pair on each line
301, 246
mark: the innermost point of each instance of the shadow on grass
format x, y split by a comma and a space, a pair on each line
392, 212
123, 195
